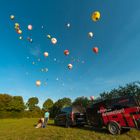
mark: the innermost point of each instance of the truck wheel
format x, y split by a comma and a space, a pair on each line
114, 128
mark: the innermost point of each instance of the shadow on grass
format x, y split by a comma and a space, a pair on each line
86, 127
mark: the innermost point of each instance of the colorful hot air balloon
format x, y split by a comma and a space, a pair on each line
38, 83
70, 66
54, 40
66, 52
17, 26
46, 54
95, 49
19, 31
96, 16
30, 27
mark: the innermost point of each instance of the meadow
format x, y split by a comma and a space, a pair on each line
23, 129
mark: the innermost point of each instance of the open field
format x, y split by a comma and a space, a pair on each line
23, 129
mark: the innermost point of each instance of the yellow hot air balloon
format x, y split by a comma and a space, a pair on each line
96, 16
17, 26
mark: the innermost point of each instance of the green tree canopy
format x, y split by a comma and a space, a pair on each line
17, 104
32, 103
81, 101
48, 104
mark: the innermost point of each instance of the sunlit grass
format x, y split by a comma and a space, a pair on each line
23, 129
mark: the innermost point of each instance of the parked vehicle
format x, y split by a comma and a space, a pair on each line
70, 116
116, 114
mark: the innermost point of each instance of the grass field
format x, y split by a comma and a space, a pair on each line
23, 129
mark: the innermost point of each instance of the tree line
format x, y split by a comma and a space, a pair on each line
15, 107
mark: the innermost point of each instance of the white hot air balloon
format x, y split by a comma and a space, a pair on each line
90, 34
46, 54
12, 17
54, 40
30, 27
38, 83
68, 25
70, 66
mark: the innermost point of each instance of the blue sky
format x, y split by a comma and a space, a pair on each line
116, 34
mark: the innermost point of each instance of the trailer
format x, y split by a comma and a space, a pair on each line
117, 115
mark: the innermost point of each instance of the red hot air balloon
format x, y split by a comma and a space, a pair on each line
95, 49
92, 98
66, 52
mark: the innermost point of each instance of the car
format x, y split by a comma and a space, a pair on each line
71, 116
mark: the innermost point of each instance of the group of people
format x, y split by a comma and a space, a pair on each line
42, 122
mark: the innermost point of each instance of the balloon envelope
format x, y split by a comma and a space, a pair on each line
49, 36
92, 97
90, 34
30, 27
95, 49
46, 54
38, 83
12, 17
19, 31
70, 66
66, 52
54, 40
96, 16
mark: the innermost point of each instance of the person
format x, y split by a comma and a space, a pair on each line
40, 123
46, 117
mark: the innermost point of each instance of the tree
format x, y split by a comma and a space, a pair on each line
58, 105
131, 89
48, 104
32, 103
5, 100
17, 104
81, 101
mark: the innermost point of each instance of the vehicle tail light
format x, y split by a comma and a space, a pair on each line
72, 116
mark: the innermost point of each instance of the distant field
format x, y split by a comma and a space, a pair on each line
23, 129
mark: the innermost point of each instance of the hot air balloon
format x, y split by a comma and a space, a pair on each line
20, 37
70, 66
68, 25
95, 16
12, 17
46, 54
49, 36
66, 52
92, 98
54, 40
17, 26
38, 83
95, 49
19, 31
90, 34
30, 27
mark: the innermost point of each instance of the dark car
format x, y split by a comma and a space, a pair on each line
71, 116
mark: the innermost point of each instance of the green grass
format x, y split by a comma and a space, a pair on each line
23, 129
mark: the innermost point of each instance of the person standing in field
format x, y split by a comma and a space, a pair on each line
46, 117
